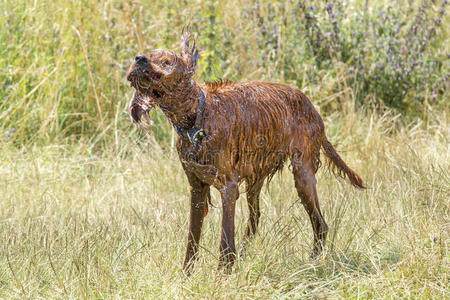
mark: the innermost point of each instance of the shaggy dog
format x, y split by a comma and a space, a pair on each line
231, 133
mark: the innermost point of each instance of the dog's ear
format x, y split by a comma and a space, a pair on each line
189, 54
139, 108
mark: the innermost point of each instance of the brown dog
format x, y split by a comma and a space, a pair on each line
231, 133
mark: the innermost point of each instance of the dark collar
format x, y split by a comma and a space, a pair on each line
196, 133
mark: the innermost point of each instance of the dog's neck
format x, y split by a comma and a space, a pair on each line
180, 106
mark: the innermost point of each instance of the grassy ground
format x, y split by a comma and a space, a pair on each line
90, 208
79, 225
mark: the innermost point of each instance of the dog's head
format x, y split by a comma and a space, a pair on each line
163, 72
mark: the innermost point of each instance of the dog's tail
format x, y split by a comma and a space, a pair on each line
338, 166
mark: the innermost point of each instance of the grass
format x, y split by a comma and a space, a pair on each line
114, 224
63, 62
92, 208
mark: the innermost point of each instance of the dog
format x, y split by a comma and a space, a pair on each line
230, 133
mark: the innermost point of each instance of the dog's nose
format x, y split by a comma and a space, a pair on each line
141, 59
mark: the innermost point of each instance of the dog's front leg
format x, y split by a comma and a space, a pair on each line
199, 207
229, 193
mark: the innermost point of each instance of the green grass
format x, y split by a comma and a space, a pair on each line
63, 62
74, 224
92, 208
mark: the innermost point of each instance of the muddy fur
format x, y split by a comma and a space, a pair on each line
252, 129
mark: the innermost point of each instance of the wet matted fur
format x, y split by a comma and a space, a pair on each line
251, 129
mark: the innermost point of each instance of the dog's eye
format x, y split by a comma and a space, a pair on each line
165, 61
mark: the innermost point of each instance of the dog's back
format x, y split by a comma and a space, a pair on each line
255, 126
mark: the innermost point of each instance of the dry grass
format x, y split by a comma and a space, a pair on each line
88, 212
78, 225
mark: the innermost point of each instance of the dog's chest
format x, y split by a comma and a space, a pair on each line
199, 160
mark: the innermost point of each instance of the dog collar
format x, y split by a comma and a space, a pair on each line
196, 133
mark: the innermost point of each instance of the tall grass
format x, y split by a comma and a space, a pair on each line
63, 63
114, 224
92, 208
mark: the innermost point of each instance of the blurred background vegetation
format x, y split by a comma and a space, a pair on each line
91, 207
63, 63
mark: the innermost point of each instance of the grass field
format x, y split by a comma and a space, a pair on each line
75, 224
90, 207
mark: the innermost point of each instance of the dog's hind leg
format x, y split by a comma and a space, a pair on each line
253, 192
305, 183
199, 208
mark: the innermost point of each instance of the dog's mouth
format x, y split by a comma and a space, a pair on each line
145, 88
156, 94
152, 75
144, 79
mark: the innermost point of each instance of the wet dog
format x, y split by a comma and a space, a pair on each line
230, 133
